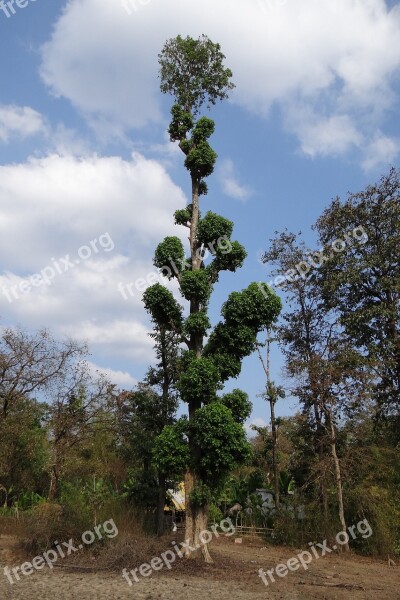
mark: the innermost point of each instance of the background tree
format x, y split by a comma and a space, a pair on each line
272, 394
362, 282
30, 362
143, 414
78, 405
317, 355
25, 450
193, 71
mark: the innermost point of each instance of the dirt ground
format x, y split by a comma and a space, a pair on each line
234, 575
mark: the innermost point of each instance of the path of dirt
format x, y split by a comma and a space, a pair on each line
233, 576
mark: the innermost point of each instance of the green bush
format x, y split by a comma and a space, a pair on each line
381, 508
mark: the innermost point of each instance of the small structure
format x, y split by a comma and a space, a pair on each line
174, 512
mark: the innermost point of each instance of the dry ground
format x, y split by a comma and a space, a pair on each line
233, 576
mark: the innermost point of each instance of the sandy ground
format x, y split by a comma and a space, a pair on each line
234, 575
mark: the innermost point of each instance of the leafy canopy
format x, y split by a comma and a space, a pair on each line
192, 71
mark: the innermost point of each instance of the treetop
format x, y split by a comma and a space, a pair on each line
192, 70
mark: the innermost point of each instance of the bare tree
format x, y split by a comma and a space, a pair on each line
29, 362
78, 403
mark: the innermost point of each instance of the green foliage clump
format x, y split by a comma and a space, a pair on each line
238, 403
236, 341
229, 366
163, 307
169, 253
199, 380
50, 521
181, 123
246, 313
195, 286
183, 216
229, 261
257, 306
197, 324
200, 160
212, 227
171, 452
203, 130
222, 443
228, 345
252, 306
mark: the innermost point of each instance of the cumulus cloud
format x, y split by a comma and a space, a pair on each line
333, 136
20, 122
122, 379
71, 231
337, 59
230, 185
382, 149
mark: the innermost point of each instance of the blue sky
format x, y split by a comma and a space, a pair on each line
87, 171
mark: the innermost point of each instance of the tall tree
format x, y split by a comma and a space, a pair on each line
164, 378
317, 356
144, 413
362, 282
193, 72
272, 394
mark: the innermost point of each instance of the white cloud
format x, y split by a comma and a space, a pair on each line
336, 58
381, 150
117, 337
94, 222
331, 136
20, 122
121, 379
231, 187
77, 200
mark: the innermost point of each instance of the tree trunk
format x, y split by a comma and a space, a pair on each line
161, 504
320, 449
272, 398
54, 482
275, 455
196, 521
196, 518
338, 476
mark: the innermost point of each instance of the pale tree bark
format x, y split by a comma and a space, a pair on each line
54, 482
275, 455
320, 446
274, 431
196, 521
338, 475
